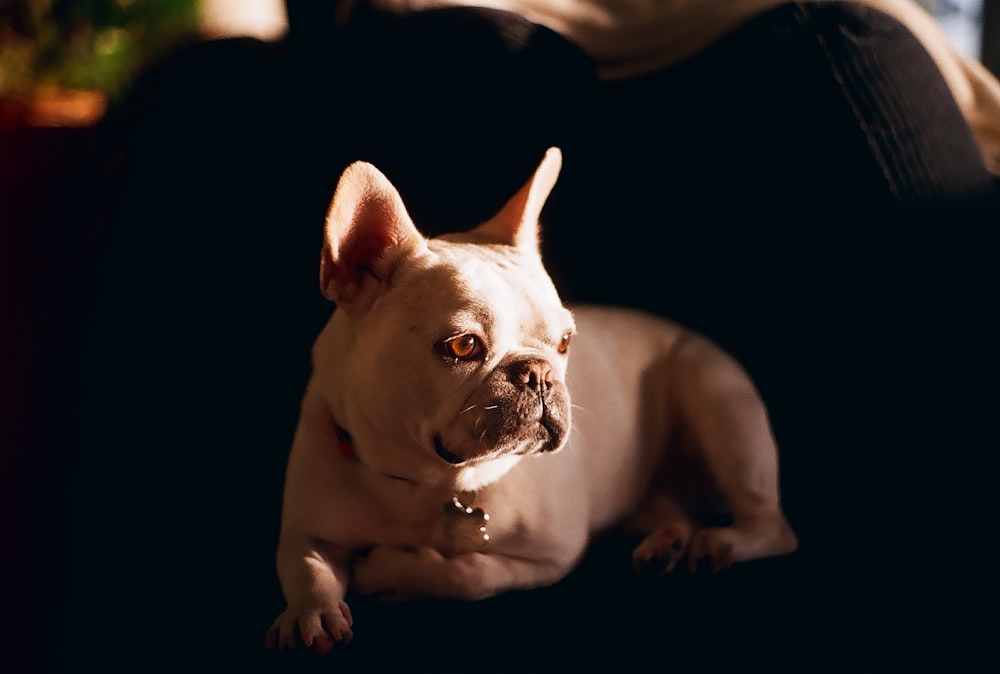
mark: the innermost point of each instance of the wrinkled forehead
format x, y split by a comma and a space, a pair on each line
467, 281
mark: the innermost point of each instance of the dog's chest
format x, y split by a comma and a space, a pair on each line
412, 516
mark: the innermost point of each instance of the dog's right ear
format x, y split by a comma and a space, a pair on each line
368, 232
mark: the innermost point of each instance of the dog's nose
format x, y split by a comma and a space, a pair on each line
535, 374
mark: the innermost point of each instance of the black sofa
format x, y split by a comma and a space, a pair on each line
864, 313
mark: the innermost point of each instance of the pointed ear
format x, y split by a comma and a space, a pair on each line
368, 232
517, 221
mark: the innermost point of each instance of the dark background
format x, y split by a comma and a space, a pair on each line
161, 274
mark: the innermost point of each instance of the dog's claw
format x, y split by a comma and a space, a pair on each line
321, 645
723, 558
319, 630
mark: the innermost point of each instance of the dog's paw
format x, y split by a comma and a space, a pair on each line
715, 545
319, 628
660, 551
752, 538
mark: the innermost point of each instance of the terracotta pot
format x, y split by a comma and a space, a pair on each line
53, 107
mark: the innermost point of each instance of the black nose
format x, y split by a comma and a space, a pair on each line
535, 374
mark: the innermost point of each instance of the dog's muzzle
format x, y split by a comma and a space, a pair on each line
523, 408
443, 452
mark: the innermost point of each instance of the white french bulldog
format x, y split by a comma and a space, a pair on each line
435, 453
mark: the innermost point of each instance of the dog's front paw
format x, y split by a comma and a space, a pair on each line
394, 574
320, 627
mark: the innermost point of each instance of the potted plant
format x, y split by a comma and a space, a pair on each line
63, 61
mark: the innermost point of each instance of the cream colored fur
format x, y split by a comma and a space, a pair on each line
458, 374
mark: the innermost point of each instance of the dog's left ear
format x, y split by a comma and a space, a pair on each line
517, 222
368, 232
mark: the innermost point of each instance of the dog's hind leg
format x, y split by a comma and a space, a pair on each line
724, 424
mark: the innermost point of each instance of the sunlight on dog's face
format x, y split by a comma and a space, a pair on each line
506, 342
470, 353
457, 345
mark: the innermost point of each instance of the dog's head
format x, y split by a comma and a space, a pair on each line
445, 359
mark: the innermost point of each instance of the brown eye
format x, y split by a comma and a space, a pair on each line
564, 343
463, 347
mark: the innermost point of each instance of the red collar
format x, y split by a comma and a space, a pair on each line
345, 447
464, 511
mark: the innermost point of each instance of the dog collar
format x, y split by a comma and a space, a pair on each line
459, 509
345, 447
345, 444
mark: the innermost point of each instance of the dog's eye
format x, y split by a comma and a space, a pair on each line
564, 342
464, 347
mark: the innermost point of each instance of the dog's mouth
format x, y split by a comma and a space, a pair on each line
442, 451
